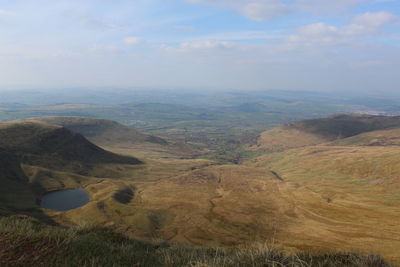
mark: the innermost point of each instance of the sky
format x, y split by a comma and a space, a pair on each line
317, 45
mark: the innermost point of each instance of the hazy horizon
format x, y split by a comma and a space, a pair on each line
190, 45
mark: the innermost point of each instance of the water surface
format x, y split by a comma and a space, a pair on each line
65, 200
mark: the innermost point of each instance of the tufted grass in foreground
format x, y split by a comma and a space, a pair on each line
27, 242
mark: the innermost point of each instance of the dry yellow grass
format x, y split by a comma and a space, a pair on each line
356, 196
318, 131
318, 198
282, 138
332, 198
232, 205
389, 137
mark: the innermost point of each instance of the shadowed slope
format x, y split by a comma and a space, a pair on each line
101, 131
56, 148
44, 145
317, 131
36, 158
15, 192
390, 137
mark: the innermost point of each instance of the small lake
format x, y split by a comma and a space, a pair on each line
65, 200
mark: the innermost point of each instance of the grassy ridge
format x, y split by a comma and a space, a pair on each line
100, 131
341, 126
333, 128
33, 139
25, 241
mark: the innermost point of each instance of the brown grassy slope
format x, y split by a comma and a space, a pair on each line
317, 131
49, 145
316, 208
15, 192
390, 137
218, 205
341, 126
231, 205
101, 131
26, 242
112, 135
36, 158
54, 158
284, 137
359, 195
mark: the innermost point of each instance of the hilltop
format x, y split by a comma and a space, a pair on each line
36, 158
39, 143
389, 137
101, 131
118, 138
318, 131
351, 163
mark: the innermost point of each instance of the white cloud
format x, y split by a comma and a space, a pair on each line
132, 40
323, 34
260, 10
317, 33
5, 12
203, 45
327, 6
263, 10
243, 35
368, 23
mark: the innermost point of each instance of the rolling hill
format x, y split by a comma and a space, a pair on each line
44, 144
318, 131
319, 197
100, 131
389, 137
36, 158
349, 161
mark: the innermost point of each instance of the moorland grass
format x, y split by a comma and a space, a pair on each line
28, 242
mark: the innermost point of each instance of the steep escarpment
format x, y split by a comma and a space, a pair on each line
37, 157
52, 146
15, 192
101, 131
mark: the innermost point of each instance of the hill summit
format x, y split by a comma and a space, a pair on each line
101, 131
318, 131
45, 145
